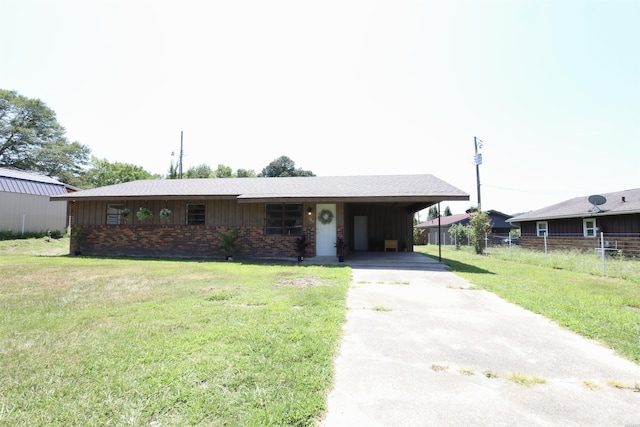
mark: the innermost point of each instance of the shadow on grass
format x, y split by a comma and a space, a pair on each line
276, 262
460, 267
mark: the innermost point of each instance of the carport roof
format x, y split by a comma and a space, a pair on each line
366, 188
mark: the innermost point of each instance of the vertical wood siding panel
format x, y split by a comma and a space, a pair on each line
91, 217
235, 213
249, 214
177, 212
229, 213
216, 213
86, 212
254, 214
102, 212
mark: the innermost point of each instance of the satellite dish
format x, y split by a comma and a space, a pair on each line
597, 200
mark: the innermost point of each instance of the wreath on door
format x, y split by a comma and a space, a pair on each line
325, 216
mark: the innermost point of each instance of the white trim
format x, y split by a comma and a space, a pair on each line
589, 231
541, 231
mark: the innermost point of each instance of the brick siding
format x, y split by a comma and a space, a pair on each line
185, 241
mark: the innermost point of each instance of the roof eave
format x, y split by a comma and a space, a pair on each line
279, 198
576, 215
350, 199
74, 197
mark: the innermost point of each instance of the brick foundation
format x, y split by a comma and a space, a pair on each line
183, 241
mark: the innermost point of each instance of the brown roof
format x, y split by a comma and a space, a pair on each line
617, 203
401, 188
445, 221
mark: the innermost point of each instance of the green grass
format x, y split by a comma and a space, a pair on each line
86, 341
37, 246
573, 260
601, 308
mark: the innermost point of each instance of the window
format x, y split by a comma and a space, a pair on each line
116, 214
589, 227
543, 228
195, 214
283, 219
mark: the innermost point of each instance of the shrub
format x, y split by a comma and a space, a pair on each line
228, 241
479, 226
144, 213
10, 235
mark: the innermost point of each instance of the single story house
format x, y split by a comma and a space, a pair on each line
500, 228
25, 204
578, 223
188, 217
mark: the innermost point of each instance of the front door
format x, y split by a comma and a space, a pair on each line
360, 239
325, 229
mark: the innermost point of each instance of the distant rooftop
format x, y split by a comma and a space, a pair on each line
617, 203
445, 221
19, 181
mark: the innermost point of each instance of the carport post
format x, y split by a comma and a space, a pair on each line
439, 240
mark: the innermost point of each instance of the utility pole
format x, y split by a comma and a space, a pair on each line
182, 152
478, 161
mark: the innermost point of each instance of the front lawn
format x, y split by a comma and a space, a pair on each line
606, 309
87, 341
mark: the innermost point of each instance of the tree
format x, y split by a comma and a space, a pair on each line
103, 173
201, 171
59, 161
459, 234
283, 166
447, 211
244, 173
479, 227
173, 171
32, 139
223, 172
433, 213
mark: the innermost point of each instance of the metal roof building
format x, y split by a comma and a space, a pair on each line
25, 204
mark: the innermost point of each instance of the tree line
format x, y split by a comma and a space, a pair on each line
31, 139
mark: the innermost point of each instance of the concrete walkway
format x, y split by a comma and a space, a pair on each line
421, 347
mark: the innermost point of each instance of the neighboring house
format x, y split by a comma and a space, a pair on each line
25, 204
430, 228
269, 214
500, 228
578, 223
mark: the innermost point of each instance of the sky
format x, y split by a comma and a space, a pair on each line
346, 87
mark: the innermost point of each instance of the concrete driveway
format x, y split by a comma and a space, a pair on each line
422, 347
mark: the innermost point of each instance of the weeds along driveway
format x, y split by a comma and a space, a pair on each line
424, 347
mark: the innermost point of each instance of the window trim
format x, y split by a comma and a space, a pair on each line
586, 229
285, 230
539, 231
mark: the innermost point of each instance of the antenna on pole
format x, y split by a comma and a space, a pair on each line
181, 153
